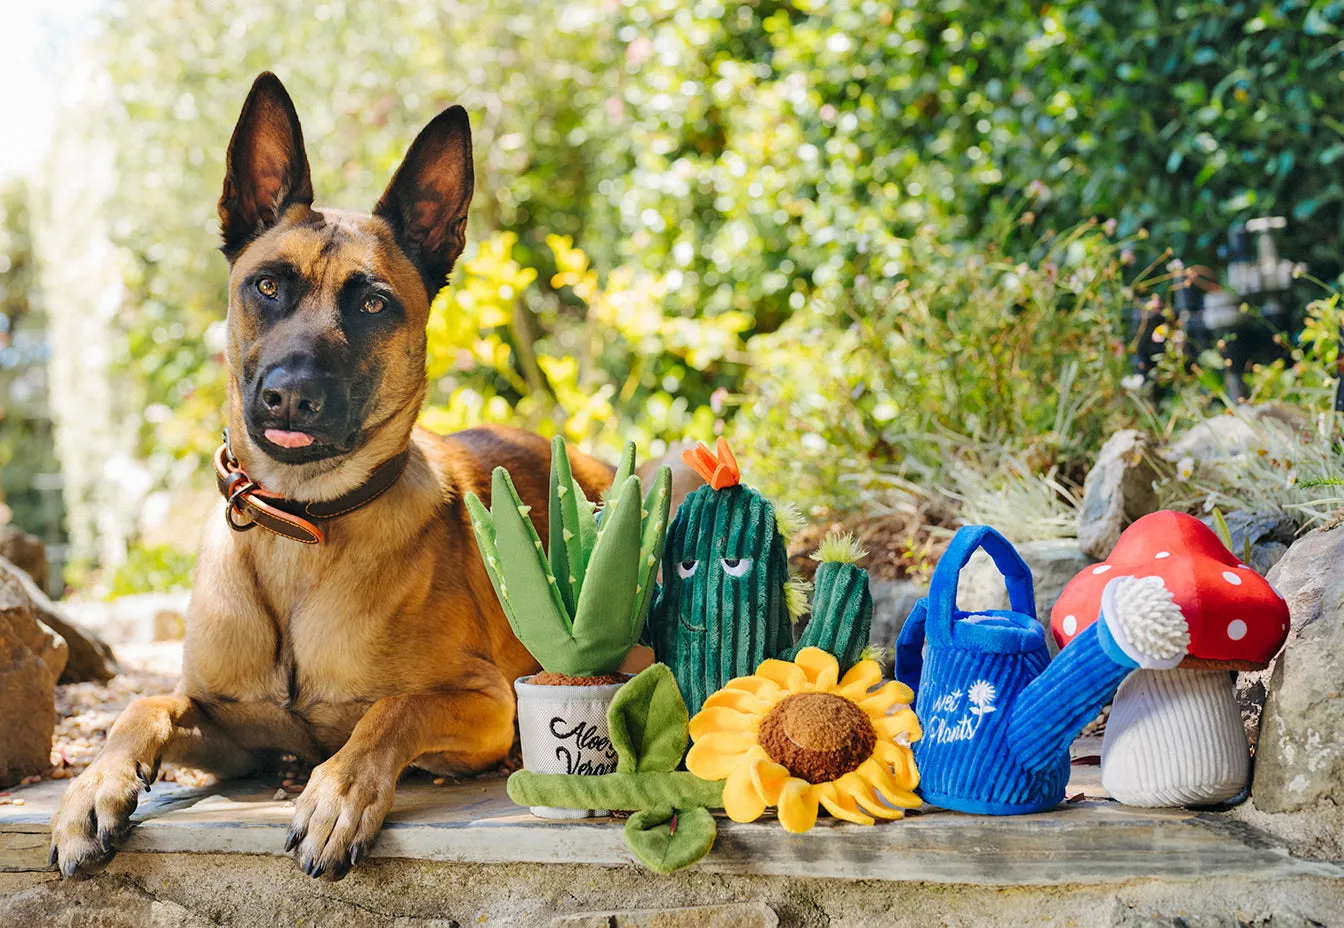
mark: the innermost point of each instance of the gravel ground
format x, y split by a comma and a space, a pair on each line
85, 711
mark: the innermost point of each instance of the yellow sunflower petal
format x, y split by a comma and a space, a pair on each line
721, 718
797, 806
756, 686
891, 694
782, 673
901, 760
768, 778
822, 669
740, 799
859, 679
841, 804
714, 756
864, 797
739, 700
877, 776
902, 722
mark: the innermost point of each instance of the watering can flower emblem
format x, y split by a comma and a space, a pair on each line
981, 696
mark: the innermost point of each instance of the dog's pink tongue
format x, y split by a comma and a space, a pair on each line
289, 439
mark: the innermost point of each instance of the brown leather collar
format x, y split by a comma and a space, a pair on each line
249, 505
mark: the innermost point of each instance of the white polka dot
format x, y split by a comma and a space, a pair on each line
1161, 554
1070, 625
1232, 578
1236, 629
1101, 568
1243, 567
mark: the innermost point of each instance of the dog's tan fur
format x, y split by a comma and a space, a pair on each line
380, 648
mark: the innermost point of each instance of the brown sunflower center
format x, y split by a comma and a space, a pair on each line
817, 736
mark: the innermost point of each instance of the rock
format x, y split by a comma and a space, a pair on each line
97, 904
892, 602
32, 657
140, 618
91, 659
1267, 533
1053, 563
1300, 756
731, 915
25, 552
1236, 432
1118, 490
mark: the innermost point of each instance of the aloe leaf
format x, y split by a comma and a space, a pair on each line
527, 585
601, 622
565, 548
657, 509
483, 527
623, 470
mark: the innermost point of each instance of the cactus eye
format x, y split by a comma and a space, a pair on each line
686, 569
736, 566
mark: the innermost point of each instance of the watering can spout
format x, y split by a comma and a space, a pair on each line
1068, 694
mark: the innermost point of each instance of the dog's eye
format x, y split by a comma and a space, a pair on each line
268, 288
374, 305
735, 566
686, 569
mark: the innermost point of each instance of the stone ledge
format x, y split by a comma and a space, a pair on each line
1087, 842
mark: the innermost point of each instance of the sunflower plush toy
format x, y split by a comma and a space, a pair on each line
795, 736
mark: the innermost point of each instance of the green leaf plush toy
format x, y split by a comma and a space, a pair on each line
671, 826
727, 601
578, 608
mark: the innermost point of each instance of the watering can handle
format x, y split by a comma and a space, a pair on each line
942, 597
910, 646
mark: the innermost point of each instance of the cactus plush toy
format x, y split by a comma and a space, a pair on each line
580, 607
727, 601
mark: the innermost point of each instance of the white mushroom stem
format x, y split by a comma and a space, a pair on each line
1175, 738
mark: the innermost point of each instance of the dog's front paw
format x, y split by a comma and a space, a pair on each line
338, 816
94, 816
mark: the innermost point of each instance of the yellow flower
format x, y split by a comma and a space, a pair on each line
794, 736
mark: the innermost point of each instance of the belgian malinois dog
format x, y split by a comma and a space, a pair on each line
355, 626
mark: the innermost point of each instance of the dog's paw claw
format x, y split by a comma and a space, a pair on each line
94, 816
338, 816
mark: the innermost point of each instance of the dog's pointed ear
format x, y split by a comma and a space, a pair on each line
267, 168
427, 199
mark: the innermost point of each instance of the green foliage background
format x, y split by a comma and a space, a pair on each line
815, 223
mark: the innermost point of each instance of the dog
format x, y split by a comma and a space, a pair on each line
341, 611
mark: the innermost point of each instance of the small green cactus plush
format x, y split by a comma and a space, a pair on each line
580, 607
727, 601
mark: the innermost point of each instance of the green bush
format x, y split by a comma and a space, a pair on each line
781, 148
972, 353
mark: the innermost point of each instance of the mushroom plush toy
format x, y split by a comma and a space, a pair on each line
1175, 736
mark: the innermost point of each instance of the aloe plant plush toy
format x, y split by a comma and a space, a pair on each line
578, 607
727, 601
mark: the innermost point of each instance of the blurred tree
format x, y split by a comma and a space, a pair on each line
29, 473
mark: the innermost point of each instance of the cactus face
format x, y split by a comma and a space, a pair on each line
579, 607
724, 605
721, 610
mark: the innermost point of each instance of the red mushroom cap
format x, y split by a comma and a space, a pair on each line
1235, 616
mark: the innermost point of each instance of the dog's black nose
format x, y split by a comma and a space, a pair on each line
295, 396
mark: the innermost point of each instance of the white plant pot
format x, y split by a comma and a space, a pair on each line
563, 729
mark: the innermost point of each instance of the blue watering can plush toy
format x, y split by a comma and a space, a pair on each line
998, 714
